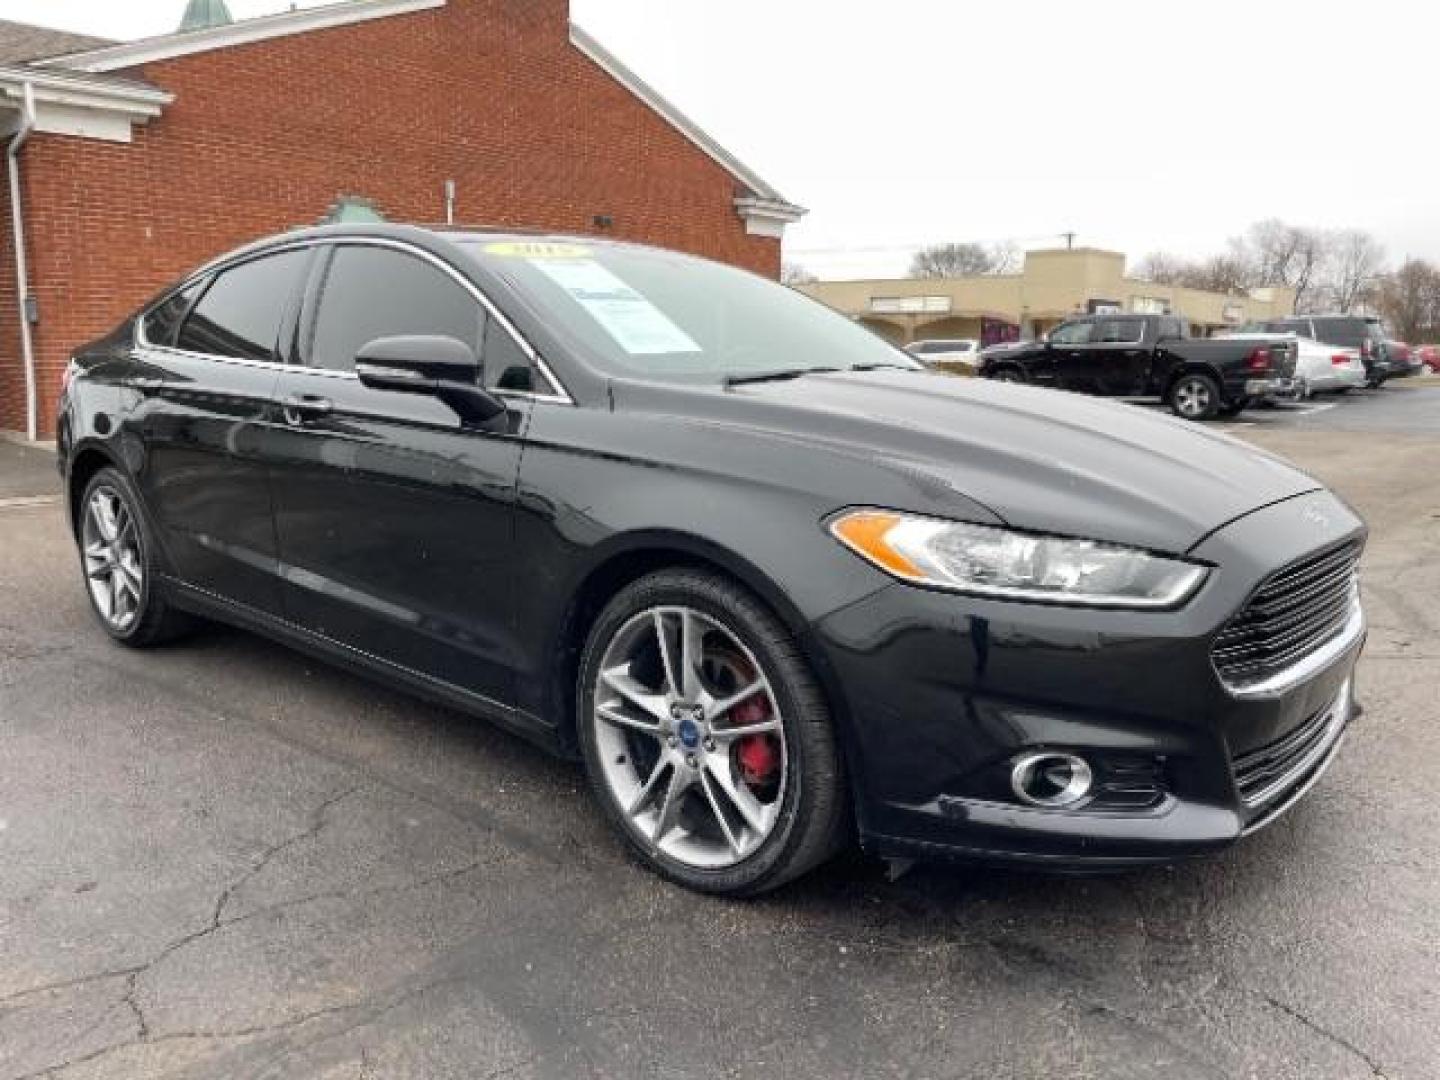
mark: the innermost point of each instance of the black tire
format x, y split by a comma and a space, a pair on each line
813, 820
155, 621
1194, 396
1009, 373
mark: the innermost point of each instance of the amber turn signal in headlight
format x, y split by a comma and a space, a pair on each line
996, 562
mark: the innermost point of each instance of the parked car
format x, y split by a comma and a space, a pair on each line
1430, 357
1403, 357
957, 355
1348, 331
773, 582
1319, 368
1137, 356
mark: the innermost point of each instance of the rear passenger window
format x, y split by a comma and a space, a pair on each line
163, 319
239, 315
373, 292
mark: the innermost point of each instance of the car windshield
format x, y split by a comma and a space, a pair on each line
657, 314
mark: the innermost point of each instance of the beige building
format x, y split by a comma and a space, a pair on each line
1054, 285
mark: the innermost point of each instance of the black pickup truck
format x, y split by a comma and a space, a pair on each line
1140, 356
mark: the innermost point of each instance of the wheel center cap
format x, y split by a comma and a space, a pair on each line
689, 732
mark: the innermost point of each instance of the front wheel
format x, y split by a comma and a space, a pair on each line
1195, 396
706, 738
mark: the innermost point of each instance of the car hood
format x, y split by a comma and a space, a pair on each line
1038, 459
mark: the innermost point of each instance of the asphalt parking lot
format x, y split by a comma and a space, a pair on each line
222, 859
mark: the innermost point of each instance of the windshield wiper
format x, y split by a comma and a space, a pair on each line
776, 375
884, 367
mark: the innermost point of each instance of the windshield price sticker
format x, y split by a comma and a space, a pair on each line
637, 325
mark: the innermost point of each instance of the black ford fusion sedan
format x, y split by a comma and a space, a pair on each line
774, 583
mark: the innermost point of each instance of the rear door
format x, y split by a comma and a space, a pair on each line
395, 522
1119, 355
206, 395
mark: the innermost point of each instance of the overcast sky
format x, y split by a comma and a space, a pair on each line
1139, 126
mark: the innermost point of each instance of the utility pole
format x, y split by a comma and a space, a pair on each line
1069, 240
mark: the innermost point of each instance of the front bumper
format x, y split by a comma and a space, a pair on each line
942, 692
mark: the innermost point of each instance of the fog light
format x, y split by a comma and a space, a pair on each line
1050, 779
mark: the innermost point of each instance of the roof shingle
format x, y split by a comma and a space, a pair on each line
20, 42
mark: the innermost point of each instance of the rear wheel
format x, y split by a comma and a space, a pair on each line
118, 555
706, 738
1195, 396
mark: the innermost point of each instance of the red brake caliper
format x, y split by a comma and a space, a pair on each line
758, 755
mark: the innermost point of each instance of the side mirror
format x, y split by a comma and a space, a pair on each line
441, 367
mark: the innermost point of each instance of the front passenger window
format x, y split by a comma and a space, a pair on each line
1072, 334
373, 292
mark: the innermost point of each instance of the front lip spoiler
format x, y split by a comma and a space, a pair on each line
1305, 669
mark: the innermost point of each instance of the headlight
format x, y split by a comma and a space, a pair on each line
987, 561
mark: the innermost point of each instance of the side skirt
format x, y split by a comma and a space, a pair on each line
198, 601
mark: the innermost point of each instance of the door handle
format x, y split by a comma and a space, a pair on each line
299, 408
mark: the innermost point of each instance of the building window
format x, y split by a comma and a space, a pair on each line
910, 305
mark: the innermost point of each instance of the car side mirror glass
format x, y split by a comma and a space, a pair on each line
430, 364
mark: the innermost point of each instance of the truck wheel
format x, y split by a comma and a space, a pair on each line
1195, 396
1009, 374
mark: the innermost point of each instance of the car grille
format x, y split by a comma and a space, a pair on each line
1294, 611
1268, 771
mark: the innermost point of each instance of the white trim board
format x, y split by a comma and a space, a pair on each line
762, 195
301, 21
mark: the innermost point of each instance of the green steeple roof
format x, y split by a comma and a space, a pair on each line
202, 14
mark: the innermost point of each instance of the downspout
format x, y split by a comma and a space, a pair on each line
22, 280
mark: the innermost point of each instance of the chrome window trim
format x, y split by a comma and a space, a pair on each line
560, 395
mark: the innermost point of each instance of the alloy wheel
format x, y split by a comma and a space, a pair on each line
113, 566
1192, 398
690, 737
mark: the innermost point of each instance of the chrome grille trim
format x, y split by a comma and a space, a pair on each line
1300, 620
1269, 771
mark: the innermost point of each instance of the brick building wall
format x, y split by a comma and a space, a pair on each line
266, 136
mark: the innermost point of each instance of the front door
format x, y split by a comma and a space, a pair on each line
1071, 354
395, 522
209, 367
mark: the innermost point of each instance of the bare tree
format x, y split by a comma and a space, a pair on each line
1232, 272
1006, 258
792, 273
951, 260
1410, 300
1352, 269
1162, 268
1288, 255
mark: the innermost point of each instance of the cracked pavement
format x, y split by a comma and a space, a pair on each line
222, 859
